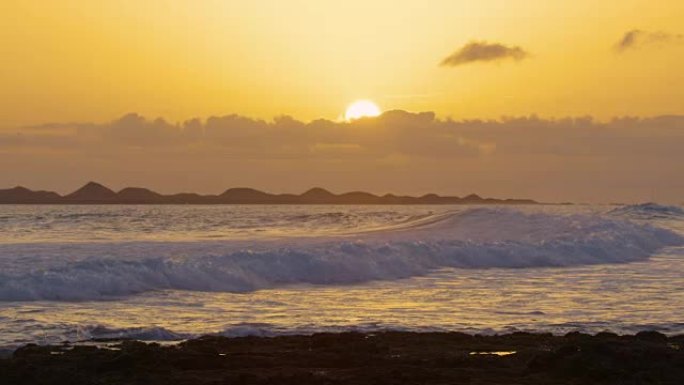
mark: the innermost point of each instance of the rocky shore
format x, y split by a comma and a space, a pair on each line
356, 358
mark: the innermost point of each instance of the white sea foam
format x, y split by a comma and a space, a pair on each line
474, 238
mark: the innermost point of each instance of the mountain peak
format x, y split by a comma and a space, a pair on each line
472, 197
242, 190
92, 191
317, 192
20, 189
93, 186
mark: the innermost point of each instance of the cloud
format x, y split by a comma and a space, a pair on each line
636, 38
399, 151
240, 136
394, 132
484, 52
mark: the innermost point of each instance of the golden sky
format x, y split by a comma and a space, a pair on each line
82, 60
92, 62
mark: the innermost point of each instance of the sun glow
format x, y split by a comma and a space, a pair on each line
361, 109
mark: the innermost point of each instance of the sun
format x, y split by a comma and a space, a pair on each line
361, 109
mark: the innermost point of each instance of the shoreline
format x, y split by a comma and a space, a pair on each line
359, 358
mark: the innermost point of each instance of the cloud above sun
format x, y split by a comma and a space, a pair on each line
637, 38
482, 51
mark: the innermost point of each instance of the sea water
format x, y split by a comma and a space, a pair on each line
170, 272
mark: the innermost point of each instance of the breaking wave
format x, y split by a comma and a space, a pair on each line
649, 211
474, 238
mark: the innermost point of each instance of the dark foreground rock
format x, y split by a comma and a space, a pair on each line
354, 358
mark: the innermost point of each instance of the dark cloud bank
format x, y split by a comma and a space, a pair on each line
481, 51
402, 152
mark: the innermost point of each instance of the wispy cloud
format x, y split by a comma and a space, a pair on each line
481, 51
637, 38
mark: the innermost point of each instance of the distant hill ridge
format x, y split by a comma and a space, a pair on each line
95, 193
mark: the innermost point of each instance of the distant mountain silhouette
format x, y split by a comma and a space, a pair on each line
23, 195
95, 193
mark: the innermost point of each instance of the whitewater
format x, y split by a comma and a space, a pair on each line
173, 272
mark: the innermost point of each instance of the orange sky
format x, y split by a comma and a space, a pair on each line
86, 61
76, 60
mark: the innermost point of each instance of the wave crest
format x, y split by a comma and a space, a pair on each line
649, 211
474, 238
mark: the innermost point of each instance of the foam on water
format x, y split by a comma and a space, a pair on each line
473, 238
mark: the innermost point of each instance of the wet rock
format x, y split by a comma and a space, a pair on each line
356, 358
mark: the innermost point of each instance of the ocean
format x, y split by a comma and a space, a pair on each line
172, 272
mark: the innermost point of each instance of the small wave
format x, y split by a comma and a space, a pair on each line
517, 313
253, 329
474, 238
270, 330
649, 211
107, 337
153, 333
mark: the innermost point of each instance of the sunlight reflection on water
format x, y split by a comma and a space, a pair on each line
624, 298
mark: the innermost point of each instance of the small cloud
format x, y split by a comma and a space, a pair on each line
637, 38
484, 52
